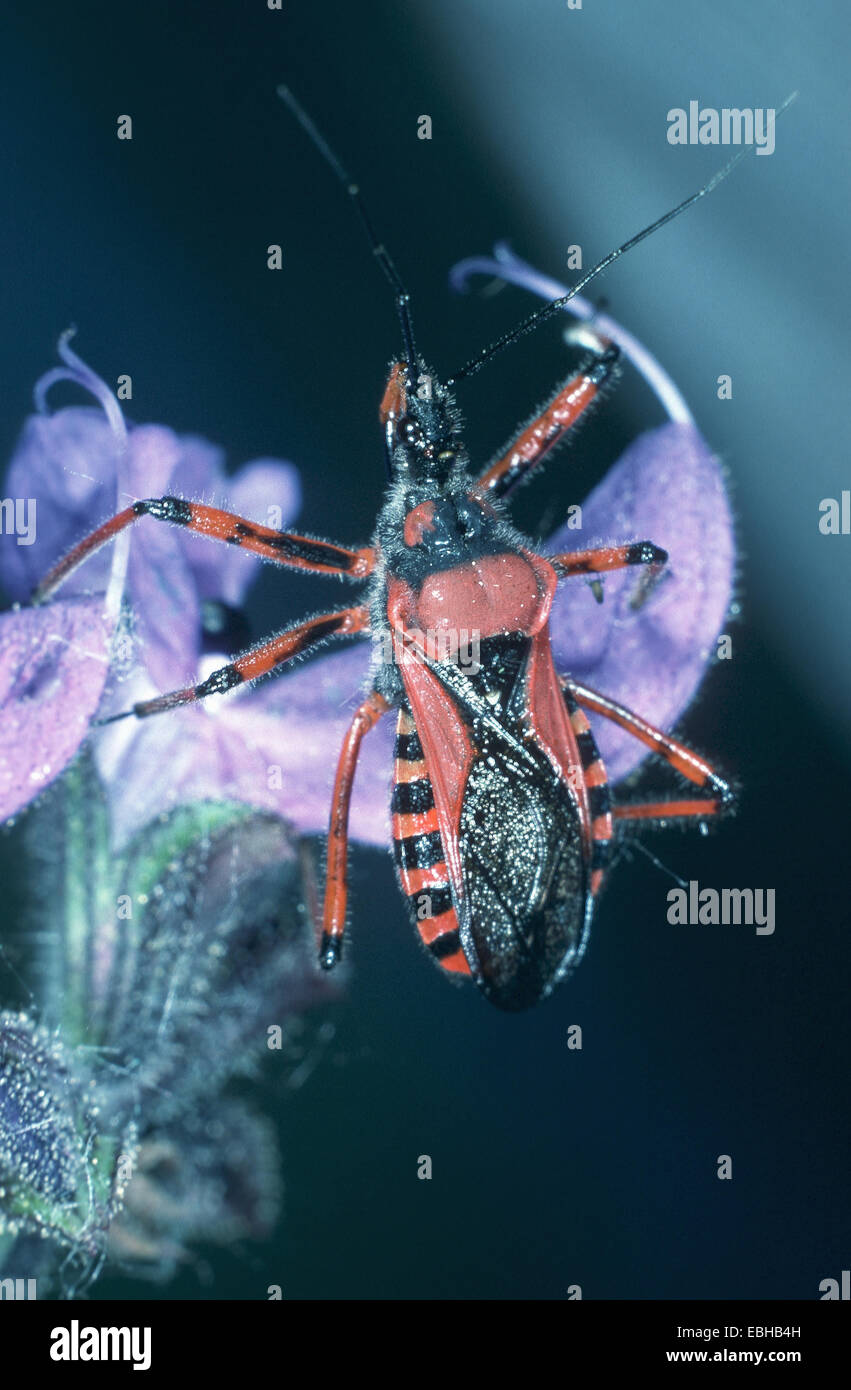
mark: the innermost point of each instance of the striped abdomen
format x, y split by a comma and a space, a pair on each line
418, 851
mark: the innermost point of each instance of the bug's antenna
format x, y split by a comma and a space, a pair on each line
379, 250
541, 315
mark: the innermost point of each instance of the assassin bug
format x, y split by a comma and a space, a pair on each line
502, 820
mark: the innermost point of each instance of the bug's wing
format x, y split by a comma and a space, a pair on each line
522, 914
512, 832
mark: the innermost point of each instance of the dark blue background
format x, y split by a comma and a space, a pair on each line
551, 1167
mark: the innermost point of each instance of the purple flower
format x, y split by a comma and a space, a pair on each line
80, 466
54, 661
667, 488
274, 746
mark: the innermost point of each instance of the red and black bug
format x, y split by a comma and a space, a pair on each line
502, 819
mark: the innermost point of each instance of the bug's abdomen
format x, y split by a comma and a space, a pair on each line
526, 878
418, 851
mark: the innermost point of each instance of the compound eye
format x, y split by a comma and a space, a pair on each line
407, 429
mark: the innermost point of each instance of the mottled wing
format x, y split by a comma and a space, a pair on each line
524, 912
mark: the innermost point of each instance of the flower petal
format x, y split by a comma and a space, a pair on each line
301, 720
274, 747
266, 491
667, 488
67, 463
53, 668
159, 579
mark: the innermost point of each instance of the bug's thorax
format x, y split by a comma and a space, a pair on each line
452, 562
486, 595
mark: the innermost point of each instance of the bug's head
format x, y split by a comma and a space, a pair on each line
422, 431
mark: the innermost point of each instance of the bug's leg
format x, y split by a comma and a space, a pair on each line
698, 809
257, 661
686, 762
544, 432
613, 557
336, 888
281, 547
595, 782
607, 557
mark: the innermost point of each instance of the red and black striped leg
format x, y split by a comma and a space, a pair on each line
607, 557
686, 762
598, 799
257, 661
612, 557
281, 547
698, 809
545, 430
336, 887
